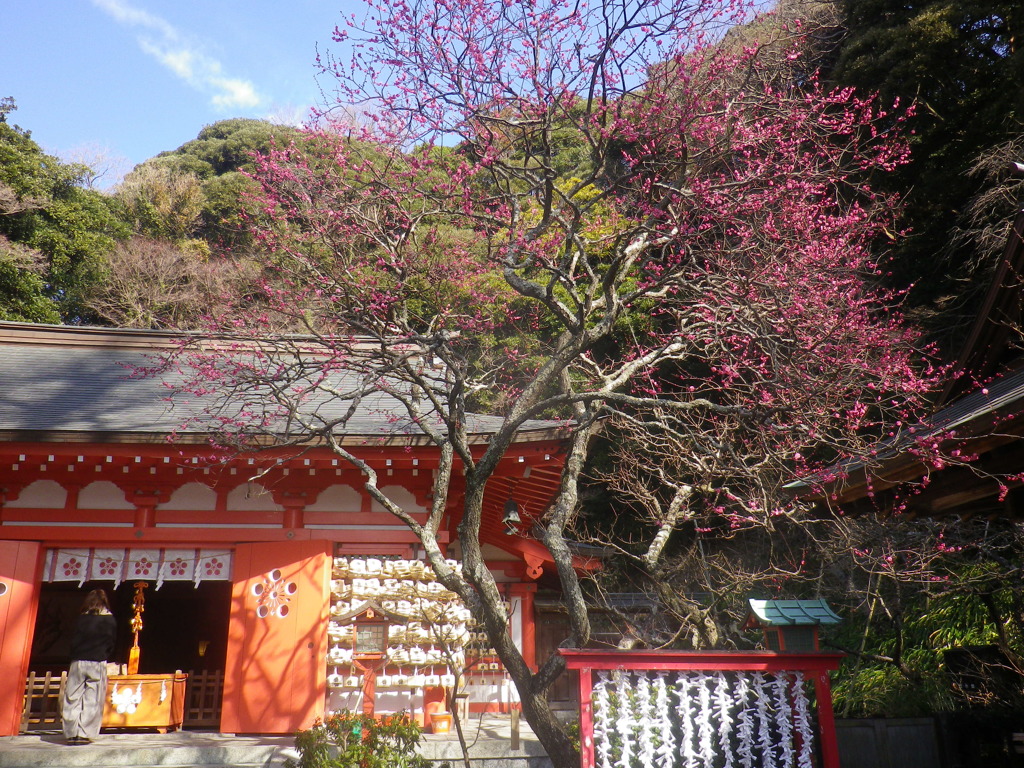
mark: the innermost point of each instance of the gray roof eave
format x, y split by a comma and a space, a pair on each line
377, 439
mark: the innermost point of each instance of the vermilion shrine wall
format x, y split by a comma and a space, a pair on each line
122, 507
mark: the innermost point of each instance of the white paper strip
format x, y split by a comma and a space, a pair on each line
783, 720
107, 565
119, 565
69, 565
214, 565
602, 718
723, 703
623, 720
667, 749
143, 564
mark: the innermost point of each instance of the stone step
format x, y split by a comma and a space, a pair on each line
489, 743
144, 750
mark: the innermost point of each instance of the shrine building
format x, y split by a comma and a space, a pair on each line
281, 598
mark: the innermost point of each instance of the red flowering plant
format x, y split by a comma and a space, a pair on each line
587, 212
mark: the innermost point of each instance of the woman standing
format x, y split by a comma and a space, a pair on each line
92, 645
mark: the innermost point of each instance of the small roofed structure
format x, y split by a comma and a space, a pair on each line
790, 626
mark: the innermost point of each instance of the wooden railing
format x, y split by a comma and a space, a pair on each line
42, 701
203, 699
43, 691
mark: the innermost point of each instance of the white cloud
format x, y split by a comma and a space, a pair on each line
135, 17
180, 62
235, 93
294, 115
183, 57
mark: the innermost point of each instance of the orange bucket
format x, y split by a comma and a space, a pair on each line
440, 722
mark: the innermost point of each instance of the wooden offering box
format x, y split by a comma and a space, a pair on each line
145, 701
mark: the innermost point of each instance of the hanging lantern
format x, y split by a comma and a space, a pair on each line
511, 517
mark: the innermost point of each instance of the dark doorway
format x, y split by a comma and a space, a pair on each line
183, 627
552, 629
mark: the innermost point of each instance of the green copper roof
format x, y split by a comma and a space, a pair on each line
776, 613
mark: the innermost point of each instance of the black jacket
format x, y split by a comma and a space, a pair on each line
94, 637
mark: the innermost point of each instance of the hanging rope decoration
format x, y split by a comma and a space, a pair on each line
723, 705
686, 717
603, 707
764, 720
802, 716
646, 724
624, 721
666, 748
699, 720
746, 718
783, 719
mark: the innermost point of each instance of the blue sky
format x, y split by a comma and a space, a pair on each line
125, 79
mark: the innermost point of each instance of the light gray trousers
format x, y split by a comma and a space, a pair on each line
81, 707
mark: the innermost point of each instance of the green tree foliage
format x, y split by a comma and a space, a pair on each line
222, 216
215, 162
961, 63
191, 244
228, 145
953, 644
44, 207
22, 290
162, 203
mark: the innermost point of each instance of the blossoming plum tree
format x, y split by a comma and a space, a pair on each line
593, 212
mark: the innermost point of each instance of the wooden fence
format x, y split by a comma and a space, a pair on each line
42, 701
43, 691
889, 743
203, 699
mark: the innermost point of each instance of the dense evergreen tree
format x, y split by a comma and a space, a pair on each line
218, 159
22, 290
960, 62
45, 207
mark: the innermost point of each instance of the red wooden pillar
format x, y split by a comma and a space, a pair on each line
369, 693
146, 503
293, 518
20, 571
369, 671
586, 718
433, 701
529, 622
826, 720
275, 680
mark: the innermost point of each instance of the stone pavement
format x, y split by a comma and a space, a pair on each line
489, 738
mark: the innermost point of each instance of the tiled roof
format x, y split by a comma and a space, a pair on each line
774, 613
75, 382
969, 416
1005, 392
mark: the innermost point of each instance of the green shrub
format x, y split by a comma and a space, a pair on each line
349, 740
